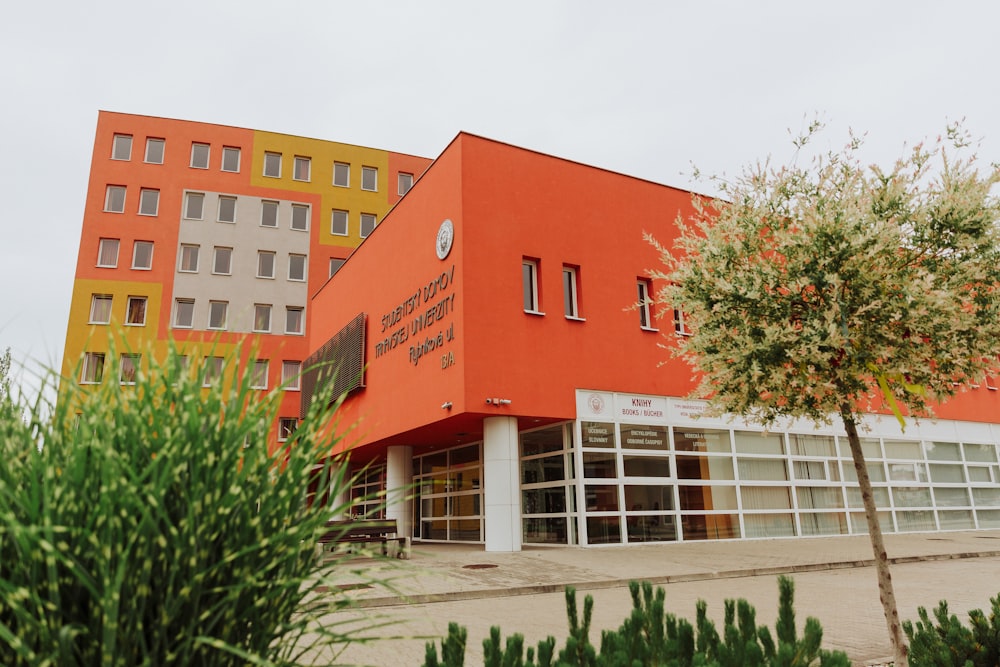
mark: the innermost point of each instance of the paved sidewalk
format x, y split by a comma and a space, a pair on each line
523, 591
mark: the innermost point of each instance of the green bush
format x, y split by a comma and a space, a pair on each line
944, 641
650, 636
149, 525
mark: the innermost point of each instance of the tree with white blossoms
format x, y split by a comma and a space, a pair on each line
836, 289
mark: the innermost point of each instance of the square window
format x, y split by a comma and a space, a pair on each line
100, 309
217, 314
529, 285
189, 258
142, 255
227, 209
154, 150
286, 427
291, 375
222, 263
262, 317
121, 147
571, 303
268, 213
200, 155
338, 223
184, 313
300, 217
272, 165
341, 174
265, 264
149, 201
300, 168
369, 178
107, 253
258, 380
367, 224
404, 182
135, 312
93, 368
296, 267
335, 264
194, 205
230, 158
129, 367
114, 199
293, 320
213, 370
645, 316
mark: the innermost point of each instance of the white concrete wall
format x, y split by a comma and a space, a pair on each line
502, 494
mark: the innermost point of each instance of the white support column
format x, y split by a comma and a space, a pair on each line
399, 487
501, 486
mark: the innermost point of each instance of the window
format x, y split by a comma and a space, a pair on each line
154, 150
369, 178
128, 367
189, 258
222, 264
286, 427
93, 368
230, 158
227, 209
293, 320
217, 312
300, 168
199, 155
300, 217
107, 253
272, 165
135, 312
296, 267
262, 317
149, 201
194, 205
142, 255
645, 319
291, 372
335, 264
571, 303
265, 264
529, 285
184, 313
213, 370
680, 323
404, 182
121, 147
114, 199
367, 224
100, 308
268, 213
341, 174
338, 223
258, 380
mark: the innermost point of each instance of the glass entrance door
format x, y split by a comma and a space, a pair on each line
449, 495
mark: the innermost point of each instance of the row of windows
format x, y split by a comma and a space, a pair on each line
121, 149
218, 316
194, 209
222, 262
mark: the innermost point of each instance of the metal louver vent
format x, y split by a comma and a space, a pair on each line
337, 368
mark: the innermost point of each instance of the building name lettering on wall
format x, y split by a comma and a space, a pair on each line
398, 330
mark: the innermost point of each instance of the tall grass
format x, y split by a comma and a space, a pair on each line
150, 525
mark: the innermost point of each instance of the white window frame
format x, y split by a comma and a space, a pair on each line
258, 377
121, 139
135, 255
304, 208
200, 164
286, 427
289, 310
529, 287
265, 204
275, 160
215, 308
103, 248
644, 289
92, 370
102, 314
571, 292
346, 170
147, 195
189, 199
109, 193
369, 171
261, 308
214, 367
297, 162
261, 255
680, 323
227, 199
139, 321
335, 264
294, 257
217, 251
155, 141
187, 251
291, 375
401, 178
131, 362
230, 150
364, 218
189, 323
333, 222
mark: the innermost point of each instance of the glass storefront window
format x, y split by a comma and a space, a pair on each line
545, 469
545, 530
879, 493
599, 464
986, 497
604, 530
769, 525
707, 497
911, 496
903, 449
766, 497
762, 469
876, 471
542, 441
979, 474
988, 518
546, 500
601, 497
912, 521
648, 498
701, 440
951, 497
646, 466
705, 467
645, 436
644, 528
947, 474
811, 445
819, 497
859, 524
597, 434
823, 523
980, 453
752, 442
943, 451
710, 526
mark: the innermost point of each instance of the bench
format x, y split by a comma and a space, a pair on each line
366, 531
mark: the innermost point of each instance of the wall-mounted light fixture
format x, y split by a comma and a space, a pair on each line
497, 401
446, 405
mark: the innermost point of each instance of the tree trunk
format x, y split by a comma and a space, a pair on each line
886, 594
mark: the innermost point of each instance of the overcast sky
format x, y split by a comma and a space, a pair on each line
643, 88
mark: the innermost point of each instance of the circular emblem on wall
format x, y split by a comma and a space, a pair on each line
596, 404
445, 235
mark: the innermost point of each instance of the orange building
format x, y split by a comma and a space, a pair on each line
505, 389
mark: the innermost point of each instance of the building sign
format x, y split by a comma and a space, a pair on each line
645, 436
597, 434
631, 407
